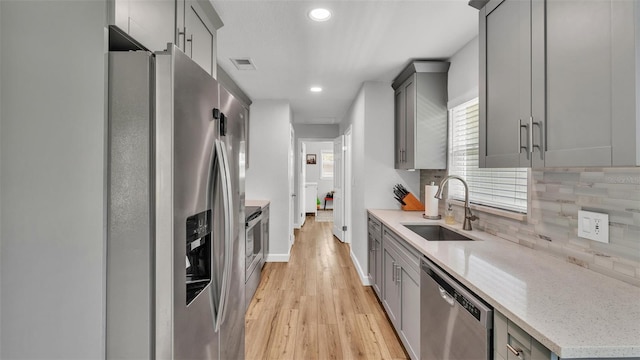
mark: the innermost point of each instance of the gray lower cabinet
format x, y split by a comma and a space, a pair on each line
537, 107
265, 233
375, 254
510, 342
401, 290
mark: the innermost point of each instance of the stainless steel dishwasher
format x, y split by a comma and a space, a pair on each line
454, 323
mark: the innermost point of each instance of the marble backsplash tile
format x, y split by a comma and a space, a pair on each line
555, 196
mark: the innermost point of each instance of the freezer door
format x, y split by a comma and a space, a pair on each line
233, 145
129, 313
185, 135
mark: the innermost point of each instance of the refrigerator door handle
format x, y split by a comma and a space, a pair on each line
225, 177
228, 198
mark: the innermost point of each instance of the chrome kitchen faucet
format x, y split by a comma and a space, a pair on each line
468, 216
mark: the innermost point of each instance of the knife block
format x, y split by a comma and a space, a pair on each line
413, 204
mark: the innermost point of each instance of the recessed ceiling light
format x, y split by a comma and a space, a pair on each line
319, 14
315, 89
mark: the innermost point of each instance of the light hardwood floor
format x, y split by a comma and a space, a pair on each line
315, 307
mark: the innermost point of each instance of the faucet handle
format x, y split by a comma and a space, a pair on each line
469, 215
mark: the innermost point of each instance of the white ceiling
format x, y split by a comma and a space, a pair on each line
365, 40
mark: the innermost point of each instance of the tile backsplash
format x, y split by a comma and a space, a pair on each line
555, 196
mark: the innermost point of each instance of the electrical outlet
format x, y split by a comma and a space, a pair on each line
593, 226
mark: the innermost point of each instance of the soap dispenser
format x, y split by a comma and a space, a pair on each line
449, 217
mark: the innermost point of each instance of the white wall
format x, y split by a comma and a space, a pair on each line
52, 169
371, 118
313, 171
267, 177
464, 74
316, 131
0, 181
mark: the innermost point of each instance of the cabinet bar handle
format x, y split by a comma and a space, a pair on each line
393, 263
190, 40
539, 146
515, 351
530, 133
183, 33
520, 147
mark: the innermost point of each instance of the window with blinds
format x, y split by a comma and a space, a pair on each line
498, 188
326, 164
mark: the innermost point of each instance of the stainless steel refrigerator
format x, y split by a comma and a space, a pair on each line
175, 236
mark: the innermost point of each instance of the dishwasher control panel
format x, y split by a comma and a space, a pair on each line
462, 300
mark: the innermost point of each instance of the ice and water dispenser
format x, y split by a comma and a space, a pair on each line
198, 259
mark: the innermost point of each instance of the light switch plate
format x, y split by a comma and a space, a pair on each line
593, 226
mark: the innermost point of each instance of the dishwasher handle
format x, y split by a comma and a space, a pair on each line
445, 295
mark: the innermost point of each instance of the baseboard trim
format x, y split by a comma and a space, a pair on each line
278, 257
364, 279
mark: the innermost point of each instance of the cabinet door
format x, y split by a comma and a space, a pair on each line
372, 257
410, 311
150, 22
505, 85
410, 123
377, 283
579, 78
197, 23
400, 127
391, 294
200, 37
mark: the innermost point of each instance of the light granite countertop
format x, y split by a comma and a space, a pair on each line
573, 311
260, 203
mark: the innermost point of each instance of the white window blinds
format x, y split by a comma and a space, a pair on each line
326, 161
499, 188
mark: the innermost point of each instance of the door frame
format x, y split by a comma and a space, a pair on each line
302, 161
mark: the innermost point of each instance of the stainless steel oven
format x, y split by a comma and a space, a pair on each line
253, 251
454, 322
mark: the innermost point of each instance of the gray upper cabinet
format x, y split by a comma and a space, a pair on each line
421, 116
150, 22
591, 56
197, 23
507, 109
559, 83
190, 24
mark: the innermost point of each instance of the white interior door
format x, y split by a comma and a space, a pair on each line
292, 194
301, 181
338, 181
347, 185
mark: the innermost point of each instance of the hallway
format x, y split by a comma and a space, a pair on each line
315, 307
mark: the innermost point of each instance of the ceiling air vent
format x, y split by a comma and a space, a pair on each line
243, 64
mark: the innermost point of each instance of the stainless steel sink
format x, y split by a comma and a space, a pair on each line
436, 233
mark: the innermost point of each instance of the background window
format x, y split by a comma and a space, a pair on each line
499, 188
326, 164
